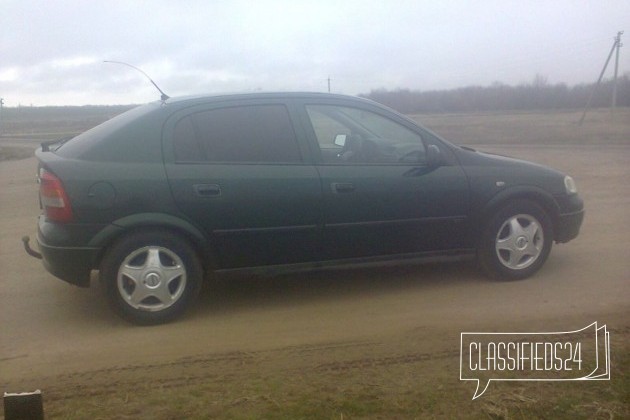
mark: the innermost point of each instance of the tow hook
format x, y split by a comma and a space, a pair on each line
28, 248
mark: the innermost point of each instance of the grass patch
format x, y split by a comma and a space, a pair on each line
423, 389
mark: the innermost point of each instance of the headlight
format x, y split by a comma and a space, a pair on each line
569, 185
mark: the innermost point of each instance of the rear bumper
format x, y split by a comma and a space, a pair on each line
569, 226
71, 264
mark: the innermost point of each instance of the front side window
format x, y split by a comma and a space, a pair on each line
355, 135
256, 133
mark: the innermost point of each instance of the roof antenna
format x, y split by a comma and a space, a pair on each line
164, 95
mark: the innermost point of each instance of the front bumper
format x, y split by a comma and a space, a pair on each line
568, 226
568, 222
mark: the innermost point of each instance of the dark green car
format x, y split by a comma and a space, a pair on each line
167, 192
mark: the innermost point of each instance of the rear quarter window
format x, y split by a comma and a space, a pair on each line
90, 144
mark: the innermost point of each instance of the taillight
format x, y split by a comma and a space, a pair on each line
53, 198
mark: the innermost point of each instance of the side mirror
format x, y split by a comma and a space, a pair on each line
434, 156
340, 140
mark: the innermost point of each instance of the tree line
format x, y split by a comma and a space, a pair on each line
539, 94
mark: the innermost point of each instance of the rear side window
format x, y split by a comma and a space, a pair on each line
256, 133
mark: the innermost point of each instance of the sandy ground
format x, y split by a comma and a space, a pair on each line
57, 337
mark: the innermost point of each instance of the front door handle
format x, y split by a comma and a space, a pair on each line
207, 190
342, 187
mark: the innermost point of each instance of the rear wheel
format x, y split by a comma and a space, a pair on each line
516, 241
151, 277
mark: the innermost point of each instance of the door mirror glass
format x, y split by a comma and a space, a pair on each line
434, 156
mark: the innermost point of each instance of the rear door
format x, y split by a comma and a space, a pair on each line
238, 170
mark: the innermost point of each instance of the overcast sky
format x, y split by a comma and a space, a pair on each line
52, 52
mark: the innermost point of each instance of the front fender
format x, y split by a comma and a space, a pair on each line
533, 193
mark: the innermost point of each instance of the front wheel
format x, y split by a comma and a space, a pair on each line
151, 277
516, 241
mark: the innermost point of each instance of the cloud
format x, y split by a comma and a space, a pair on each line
52, 51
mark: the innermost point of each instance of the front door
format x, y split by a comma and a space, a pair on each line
381, 195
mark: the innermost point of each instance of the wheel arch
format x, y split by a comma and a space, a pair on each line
154, 221
530, 193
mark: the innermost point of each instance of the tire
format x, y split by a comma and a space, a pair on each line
516, 241
151, 277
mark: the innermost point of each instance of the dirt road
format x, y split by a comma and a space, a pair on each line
59, 338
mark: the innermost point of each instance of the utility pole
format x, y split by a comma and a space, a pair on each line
588, 103
1, 105
614, 94
328, 84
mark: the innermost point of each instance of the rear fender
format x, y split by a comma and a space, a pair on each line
159, 221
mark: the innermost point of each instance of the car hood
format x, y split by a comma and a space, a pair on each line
487, 169
468, 156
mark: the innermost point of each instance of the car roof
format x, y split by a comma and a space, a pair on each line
259, 95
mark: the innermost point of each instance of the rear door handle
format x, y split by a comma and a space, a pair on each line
207, 190
342, 187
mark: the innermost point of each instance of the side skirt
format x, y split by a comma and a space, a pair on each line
363, 262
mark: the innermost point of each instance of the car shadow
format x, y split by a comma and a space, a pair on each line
235, 293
